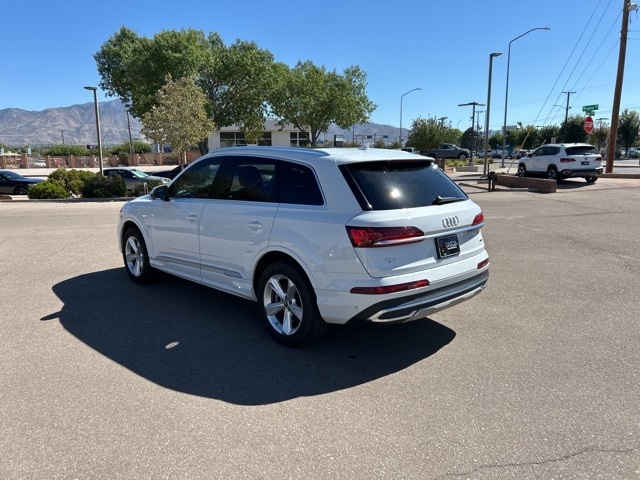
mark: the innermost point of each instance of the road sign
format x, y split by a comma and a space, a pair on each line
588, 124
590, 108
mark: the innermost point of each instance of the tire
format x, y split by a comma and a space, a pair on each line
552, 173
591, 178
462, 156
288, 305
136, 257
20, 190
522, 170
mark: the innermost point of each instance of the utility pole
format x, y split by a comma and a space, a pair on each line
615, 113
566, 115
473, 118
566, 112
62, 131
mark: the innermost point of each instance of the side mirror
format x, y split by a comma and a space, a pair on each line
161, 192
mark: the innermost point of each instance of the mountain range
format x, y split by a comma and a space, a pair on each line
76, 125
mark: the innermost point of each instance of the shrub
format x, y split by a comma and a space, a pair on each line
99, 186
65, 150
138, 147
48, 189
72, 180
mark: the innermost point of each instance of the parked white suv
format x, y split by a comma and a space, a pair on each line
316, 237
558, 161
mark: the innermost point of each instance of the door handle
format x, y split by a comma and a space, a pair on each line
255, 225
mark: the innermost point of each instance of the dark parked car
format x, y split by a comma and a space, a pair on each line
447, 150
13, 183
173, 173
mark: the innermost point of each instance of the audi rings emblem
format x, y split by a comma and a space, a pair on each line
448, 222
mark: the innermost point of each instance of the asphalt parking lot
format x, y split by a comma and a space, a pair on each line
536, 378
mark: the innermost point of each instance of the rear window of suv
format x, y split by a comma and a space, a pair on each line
583, 150
394, 184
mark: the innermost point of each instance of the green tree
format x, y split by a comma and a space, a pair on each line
599, 135
426, 134
495, 141
527, 137
312, 98
237, 81
179, 117
628, 128
573, 129
548, 134
134, 68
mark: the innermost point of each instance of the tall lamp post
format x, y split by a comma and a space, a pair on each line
485, 170
473, 126
506, 94
95, 102
401, 97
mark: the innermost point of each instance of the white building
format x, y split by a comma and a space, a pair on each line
274, 135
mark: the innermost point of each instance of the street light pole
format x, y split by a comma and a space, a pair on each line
401, 97
485, 170
473, 126
506, 94
95, 103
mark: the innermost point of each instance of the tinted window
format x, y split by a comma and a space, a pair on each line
196, 181
298, 185
399, 184
583, 150
246, 178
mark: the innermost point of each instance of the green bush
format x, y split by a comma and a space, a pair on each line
67, 183
66, 150
72, 180
99, 186
138, 147
48, 189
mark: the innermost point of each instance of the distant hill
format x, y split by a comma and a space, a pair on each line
77, 125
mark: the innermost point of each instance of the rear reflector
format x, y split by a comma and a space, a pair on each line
362, 237
402, 287
483, 263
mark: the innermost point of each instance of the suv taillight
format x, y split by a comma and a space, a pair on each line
478, 219
567, 160
363, 237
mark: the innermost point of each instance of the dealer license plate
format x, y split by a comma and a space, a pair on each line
447, 246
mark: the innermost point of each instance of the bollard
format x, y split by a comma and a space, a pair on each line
492, 181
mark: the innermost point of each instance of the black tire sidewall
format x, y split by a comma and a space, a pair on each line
312, 327
148, 273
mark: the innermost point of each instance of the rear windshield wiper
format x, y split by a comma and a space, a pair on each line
442, 200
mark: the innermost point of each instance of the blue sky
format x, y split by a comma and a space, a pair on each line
441, 47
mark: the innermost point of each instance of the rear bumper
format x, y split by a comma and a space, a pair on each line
419, 306
592, 172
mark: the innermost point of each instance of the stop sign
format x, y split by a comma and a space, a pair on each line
588, 124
